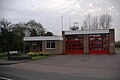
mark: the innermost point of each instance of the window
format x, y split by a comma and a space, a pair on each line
50, 44
34, 43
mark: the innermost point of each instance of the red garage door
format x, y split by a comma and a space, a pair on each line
98, 44
74, 44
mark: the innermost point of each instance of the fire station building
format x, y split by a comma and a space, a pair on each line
89, 41
75, 42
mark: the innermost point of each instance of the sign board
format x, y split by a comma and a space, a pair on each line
13, 52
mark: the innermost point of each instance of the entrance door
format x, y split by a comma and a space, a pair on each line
74, 44
98, 44
40, 46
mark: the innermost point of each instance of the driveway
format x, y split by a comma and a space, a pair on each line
89, 66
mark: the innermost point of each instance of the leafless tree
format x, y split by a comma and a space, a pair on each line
85, 25
105, 21
87, 22
82, 28
95, 23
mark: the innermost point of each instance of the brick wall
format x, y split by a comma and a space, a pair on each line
58, 47
111, 41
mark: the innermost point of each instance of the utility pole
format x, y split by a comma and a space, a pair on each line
69, 22
62, 22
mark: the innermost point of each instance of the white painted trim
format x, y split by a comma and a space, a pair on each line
87, 32
49, 48
43, 38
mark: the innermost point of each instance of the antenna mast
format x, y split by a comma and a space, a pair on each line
62, 22
69, 22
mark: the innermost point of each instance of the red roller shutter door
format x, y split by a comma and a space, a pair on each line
74, 44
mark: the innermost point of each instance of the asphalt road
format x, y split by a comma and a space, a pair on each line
21, 74
65, 67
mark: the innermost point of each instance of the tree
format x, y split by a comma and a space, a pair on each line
11, 35
48, 34
5, 24
82, 28
105, 21
11, 38
6, 39
87, 23
88, 20
6, 35
117, 44
85, 26
33, 32
32, 25
19, 33
95, 23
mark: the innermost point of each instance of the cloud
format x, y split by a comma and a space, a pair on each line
49, 12
113, 10
53, 5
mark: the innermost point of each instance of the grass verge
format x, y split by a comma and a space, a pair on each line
39, 57
117, 48
2, 55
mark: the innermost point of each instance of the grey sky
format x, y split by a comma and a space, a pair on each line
49, 12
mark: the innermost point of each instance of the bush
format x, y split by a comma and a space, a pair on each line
3, 54
38, 54
117, 44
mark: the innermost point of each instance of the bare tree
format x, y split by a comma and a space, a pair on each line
87, 23
82, 28
95, 23
108, 21
105, 21
88, 20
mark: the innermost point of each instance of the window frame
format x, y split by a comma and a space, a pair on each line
34, 43
50, 43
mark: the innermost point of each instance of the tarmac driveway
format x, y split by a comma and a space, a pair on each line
105, 67
83, 60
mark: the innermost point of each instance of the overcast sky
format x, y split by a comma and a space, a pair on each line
49, 12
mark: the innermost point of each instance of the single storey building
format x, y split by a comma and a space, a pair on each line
50, 44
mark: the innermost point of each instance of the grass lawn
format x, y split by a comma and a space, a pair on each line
117, 48
39, 57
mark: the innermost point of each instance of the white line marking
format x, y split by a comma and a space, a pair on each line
5, 78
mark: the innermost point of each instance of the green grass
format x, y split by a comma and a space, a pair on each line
117, 48
39, 57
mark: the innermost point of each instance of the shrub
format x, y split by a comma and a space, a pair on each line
3, 54
117, 44
38, 53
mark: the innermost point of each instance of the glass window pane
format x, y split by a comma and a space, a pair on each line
48, 44
34, 43
52, 44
